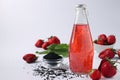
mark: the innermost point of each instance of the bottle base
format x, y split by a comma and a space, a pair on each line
80, 72
82, 75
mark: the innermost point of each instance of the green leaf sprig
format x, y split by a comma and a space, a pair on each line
60, 49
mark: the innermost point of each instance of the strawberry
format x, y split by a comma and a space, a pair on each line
54, 40
111, 39
95, 74
39, 43
30, 58
45, 45
108, 69
118, 52
107, 53
100, 42
102, 37
102, 61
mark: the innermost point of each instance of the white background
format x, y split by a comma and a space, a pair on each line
22, 22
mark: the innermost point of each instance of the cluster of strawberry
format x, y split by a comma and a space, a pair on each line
104, 40
107, 67
30, 57
52, 40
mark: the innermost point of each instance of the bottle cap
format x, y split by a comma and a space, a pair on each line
81, 6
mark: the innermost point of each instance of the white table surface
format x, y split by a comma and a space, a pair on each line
14, 68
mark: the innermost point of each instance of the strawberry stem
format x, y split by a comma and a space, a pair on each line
112, 62
116, 61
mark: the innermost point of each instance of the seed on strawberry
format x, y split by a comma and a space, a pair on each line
111, 39
107, 53
39, 43
45, 45
108, 69
54, 40
30, 57
102, 37
95, 74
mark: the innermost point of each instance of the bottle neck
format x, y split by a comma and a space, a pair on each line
81, 17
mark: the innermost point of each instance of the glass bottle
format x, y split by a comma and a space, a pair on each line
81, 49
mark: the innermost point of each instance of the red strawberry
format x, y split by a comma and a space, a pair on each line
30, 58
54, 40
107, 53
118, 53
100, 42
111, 39
108, 69
39, 43
102, 37
45, 45
102, 61
95, 74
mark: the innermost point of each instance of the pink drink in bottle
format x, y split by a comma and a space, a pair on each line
81, 49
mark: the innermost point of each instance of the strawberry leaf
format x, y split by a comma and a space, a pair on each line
42, 52
61, 49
